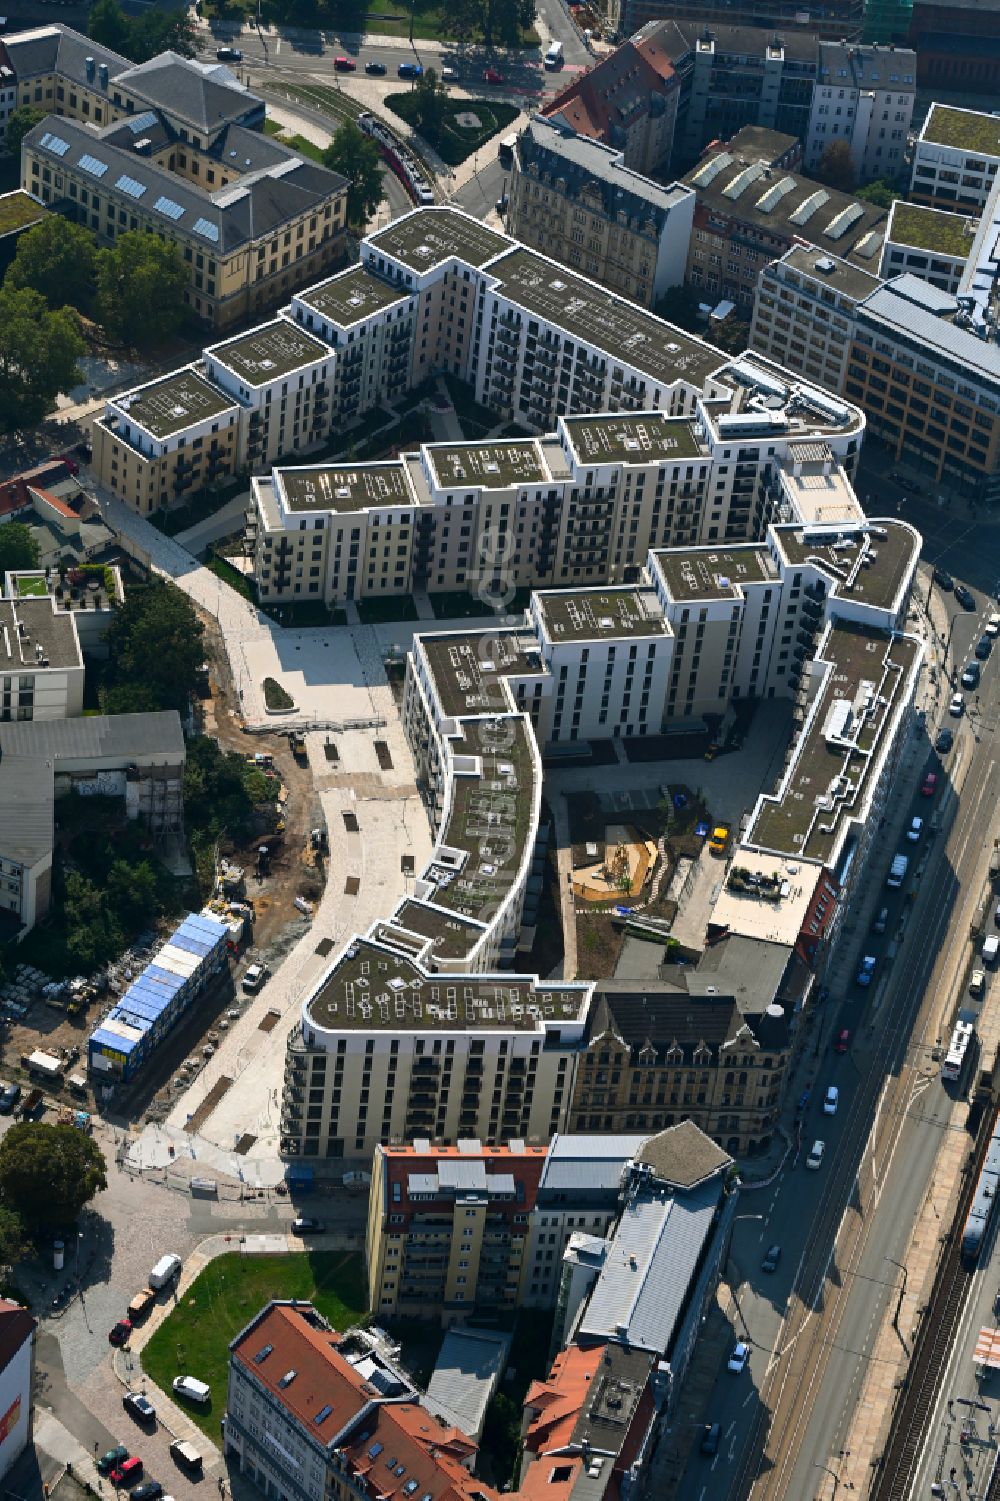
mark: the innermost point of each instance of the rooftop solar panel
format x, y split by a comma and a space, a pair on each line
169, 207
207, 228
129, 185
93, 165
55, 143
136, 123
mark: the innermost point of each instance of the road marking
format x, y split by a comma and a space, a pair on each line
729, 1429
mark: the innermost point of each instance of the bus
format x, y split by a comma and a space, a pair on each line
960, 1053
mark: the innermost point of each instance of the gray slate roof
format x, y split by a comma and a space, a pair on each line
468, 1368
58, 49
26, 808
867, 67
97, 736
582, 162
577, 1162
204, 96
650, 1264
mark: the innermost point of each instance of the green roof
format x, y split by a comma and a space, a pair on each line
352, 296
495, 466
621, 439
931, 229
968, 129
18, 210
269, 352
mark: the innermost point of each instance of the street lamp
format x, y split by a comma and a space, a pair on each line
902, 1291
834, 1477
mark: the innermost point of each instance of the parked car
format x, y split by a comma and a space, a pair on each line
120, 1333
915, 830
983, 648
345, 64
493, 75
448, 74
816, 1154
993, 626
943, 580
139, 1407
375, 70
977, 982
929, 785
843, 1041
866, 971
149, 1491
831, 1100
113, 1460
965, 597
710, 1438
770, 1262
957, 706
738, 1359
229, 54
127, 1472
305, 1225
881, 922
253, 978
970, 675
9, 1096
409, 70
944, 742
192, 1388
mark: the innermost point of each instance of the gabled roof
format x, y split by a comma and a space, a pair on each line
16, 1326
682, 1156
201, 94
58, 49
601, 101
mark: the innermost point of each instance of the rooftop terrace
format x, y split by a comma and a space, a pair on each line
429, 236
174, 403
625, 332
600, 614
49, 630
870, 563
620, 439
714, 572
372, 988
968, 129
931, 229
494, 466
343, 487
353, 295
827, 786
270, 352
450, 936
470, 668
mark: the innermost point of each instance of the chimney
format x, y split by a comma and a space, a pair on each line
102, 74
89, 65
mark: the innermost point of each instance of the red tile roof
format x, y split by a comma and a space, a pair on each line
53, 501
323, 1377
407, 1454
615, 91
16, 1326
14, 493
557, 1401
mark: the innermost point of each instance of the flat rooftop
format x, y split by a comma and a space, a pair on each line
344, 487
827, 785
449, 935
621, 439
172, 404
968, 129
372, 988
714, 572
850, 281
470, 669
484, 838
818, 488
600, 614
765, 897
429, 236
623, 331
270, 352
18, 209
44, 627
869, 563
353, 295
931, 229
494, 466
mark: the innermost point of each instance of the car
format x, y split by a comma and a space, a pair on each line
992, 626
944, 580
843, 1041
866, 972
493, 75
983, 648
128, 1471
944, 742
148, 1491
738, 1359
928, 786
881, 922
770, 1262
970, 675
112, 1460
345, 64
120, 1333
409, 70
957, 706
816, 1152
915, 830
375, 70
831, 1100
9, 1096
965, 597
139, 1407
710, 1435
977, 982
229, 54
305, 1225
448, 74
254, 978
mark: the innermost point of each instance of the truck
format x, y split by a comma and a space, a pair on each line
719, 842
298, 743
47, 1064
553, 58
166, 1270
897, 871
505, 152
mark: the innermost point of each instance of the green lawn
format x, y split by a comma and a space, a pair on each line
456, 141
230, 575
194, 1339
31, 588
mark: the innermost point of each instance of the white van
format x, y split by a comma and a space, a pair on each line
897, 871
194, 1390
991, 948
186, 1454
166, 1270
814, 1159
554, 56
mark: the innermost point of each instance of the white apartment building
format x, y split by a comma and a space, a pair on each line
370, 325
280, 376
955, 159
864, 96
804, 311
41, 663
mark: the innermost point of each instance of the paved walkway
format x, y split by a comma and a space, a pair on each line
227, 520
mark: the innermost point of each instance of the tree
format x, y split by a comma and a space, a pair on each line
56, 260
465, 19
680, 305
18, 548
216, 799
503, 21
836, 167
39, 348
48, 1173
21, 120
880, 192
94, 933
141, 282
131, 893
154, 650
430, 101
356, 157
142, 37
109, 25
14, 1239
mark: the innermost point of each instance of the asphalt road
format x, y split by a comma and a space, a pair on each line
812, 1324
